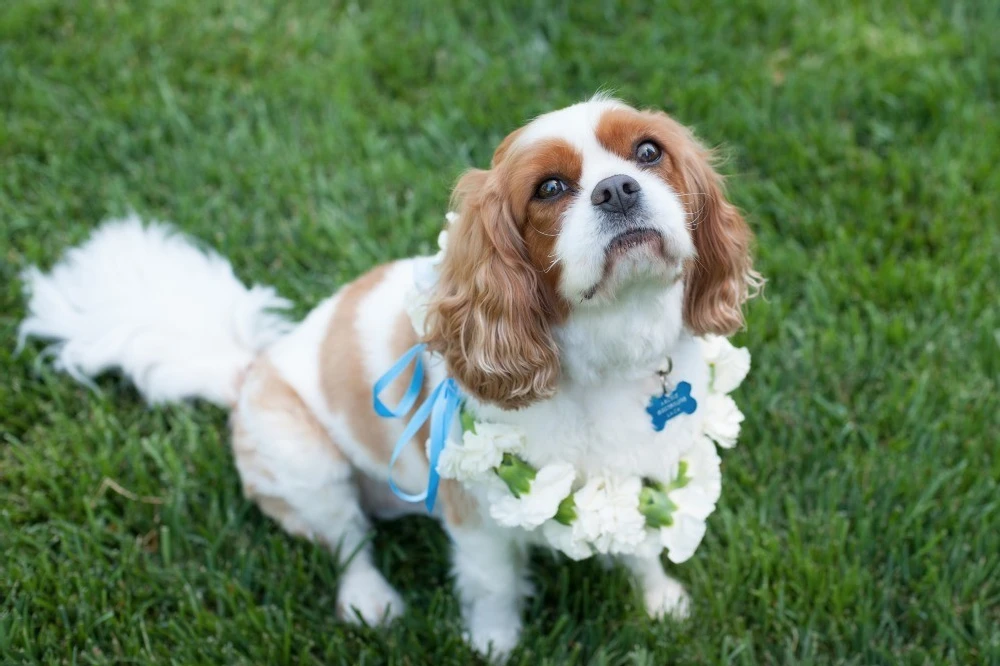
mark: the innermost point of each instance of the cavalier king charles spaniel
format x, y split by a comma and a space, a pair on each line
598, 244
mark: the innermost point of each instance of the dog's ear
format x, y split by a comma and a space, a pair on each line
722, 276
488, 317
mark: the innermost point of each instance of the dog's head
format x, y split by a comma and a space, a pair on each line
577, 206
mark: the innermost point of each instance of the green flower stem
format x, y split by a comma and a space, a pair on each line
566, 513
654, 502
516, 473
467, 420
655, 505
682, 477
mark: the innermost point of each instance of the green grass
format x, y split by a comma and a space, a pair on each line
311, 139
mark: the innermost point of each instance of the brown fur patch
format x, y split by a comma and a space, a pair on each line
344, 380
621, 131
542, 220
498, 296
277, 395
505, 145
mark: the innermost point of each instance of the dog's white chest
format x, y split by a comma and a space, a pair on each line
607, 429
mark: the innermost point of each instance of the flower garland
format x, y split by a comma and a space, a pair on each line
607, 514
604, 513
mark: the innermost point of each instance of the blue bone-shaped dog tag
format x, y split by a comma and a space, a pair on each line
666, 406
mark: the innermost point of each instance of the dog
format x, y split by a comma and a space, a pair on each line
598, 245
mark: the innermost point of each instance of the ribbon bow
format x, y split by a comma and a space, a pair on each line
440, 407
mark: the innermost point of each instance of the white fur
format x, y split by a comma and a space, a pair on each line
295, 354
662, 595
170, 316
491, 578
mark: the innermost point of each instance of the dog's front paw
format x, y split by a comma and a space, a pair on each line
365, 596
667, 598
493, 631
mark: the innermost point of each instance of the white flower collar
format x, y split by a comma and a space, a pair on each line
608, 514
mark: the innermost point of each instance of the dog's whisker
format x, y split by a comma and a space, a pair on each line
539, 231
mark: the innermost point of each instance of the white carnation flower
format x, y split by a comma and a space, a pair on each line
651, 545
729, 364
564, 538
442, 246
682, 537
722, 419
704, 469
607, 510
506, 437
480, 451
450, 218
694, 502
551, 485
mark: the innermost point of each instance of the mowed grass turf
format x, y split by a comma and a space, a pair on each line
309, 140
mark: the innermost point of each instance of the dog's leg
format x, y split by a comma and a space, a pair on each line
662, 595
490, 575
297, 475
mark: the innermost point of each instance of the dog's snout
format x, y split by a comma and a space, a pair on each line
616, 194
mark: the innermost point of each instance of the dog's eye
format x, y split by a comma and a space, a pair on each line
648, 152
551, 188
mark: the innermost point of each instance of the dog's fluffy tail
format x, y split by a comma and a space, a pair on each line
147, 301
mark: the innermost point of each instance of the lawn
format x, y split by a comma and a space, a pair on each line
310, 139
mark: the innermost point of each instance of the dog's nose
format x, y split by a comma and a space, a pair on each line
616, 194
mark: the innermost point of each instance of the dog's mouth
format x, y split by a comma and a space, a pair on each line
629, 240
622, 245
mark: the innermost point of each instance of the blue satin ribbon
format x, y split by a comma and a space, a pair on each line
440, 407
